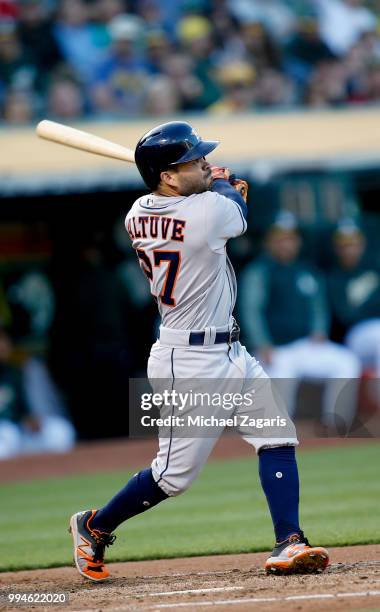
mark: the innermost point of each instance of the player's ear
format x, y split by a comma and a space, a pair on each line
169, 177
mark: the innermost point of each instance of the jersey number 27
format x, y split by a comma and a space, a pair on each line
173, 261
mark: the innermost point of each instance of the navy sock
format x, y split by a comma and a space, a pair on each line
279, 478
140, 493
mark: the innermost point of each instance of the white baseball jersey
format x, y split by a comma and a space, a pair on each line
181, 245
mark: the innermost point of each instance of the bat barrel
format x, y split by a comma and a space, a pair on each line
78, 139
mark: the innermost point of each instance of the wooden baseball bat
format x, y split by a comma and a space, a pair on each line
71, 137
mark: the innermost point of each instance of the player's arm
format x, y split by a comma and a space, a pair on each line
225, 210
228, 185
223, 219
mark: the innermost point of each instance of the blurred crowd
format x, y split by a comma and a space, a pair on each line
300, 320
69, 59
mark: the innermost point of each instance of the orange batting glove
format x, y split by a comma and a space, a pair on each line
241, 186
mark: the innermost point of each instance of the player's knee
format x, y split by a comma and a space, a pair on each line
174, 486
173, 479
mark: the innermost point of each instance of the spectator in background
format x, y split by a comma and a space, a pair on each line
357, 67
31, 301
150, 14
161, 97
285, 321
305, 50
65, 99
118, 87
370, 42
328, 85
158, 51
318, 53
260, 48
237, 80
195, 34
342, 22
18, 67
354, 290
171, 12
35, 31
103, 11
227, 34
179, 67
274, 90
374, 83
81, 43
9, 10
275, 15
32, 414
18, 108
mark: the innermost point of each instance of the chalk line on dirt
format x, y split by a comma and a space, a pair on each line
227, 602
191, 591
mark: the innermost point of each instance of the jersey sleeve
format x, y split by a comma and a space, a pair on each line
224, 219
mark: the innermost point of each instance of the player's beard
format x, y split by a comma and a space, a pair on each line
195, 185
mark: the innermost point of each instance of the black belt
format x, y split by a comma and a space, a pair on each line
198, 338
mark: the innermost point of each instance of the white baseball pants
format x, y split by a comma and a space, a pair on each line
180, 458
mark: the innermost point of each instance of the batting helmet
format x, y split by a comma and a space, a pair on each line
167, 145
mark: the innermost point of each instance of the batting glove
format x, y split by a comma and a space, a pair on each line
240, 185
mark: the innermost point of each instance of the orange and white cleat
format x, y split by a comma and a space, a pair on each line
295, 556
89, 545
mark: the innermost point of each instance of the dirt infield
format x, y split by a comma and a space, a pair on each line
235, 582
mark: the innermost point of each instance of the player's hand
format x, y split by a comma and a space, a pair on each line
218, 172
241, 186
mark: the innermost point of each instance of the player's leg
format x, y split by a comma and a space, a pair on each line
178, 462
92, 529
184, 448
181, 456
275, 445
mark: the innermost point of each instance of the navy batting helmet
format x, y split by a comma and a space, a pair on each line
167, 145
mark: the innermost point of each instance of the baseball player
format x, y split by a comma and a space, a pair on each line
179, 232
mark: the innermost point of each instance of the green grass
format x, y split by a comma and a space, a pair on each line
224, 512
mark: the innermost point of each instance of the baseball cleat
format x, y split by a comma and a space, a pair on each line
89, 545
296, 556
